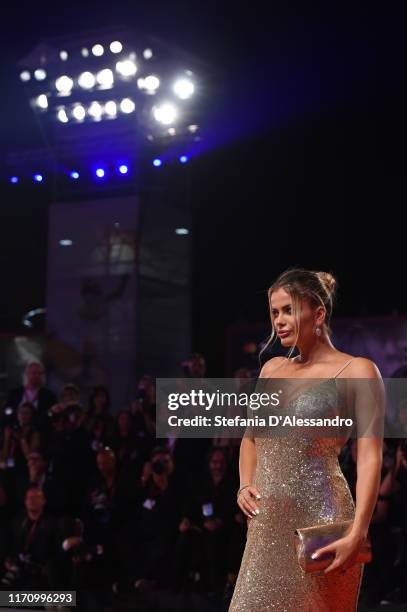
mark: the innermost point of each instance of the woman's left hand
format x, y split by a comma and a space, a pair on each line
345, 549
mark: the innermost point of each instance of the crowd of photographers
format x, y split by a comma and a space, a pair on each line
92, 501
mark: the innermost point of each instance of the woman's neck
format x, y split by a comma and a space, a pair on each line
315, 352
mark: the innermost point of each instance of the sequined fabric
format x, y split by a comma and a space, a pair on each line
301, 484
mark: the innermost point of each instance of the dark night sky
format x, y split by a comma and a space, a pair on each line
304, 164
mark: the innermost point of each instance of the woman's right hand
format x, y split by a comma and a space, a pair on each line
247, 501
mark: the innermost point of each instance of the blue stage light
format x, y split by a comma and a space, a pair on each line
183, 159
14, 179
100, 173
38, 178
157, 162
123, 169
74, 174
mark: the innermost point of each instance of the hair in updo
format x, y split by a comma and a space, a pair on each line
319, 287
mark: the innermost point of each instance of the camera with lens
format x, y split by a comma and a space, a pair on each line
158, 467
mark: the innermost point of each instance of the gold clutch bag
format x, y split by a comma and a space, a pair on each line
308, 539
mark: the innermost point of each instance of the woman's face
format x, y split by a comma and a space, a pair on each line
284, 320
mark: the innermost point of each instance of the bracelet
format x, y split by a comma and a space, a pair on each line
244, 487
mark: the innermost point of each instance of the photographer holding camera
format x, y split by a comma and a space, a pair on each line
33, 546
146, 542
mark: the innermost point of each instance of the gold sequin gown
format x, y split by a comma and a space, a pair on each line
301, 484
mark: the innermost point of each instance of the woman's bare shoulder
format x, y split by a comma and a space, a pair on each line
362, 367
271, 365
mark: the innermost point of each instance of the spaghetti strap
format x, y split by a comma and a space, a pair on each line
343, 367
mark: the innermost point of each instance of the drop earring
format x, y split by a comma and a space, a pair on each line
318, 331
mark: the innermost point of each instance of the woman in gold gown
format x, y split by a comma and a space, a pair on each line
292, 481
